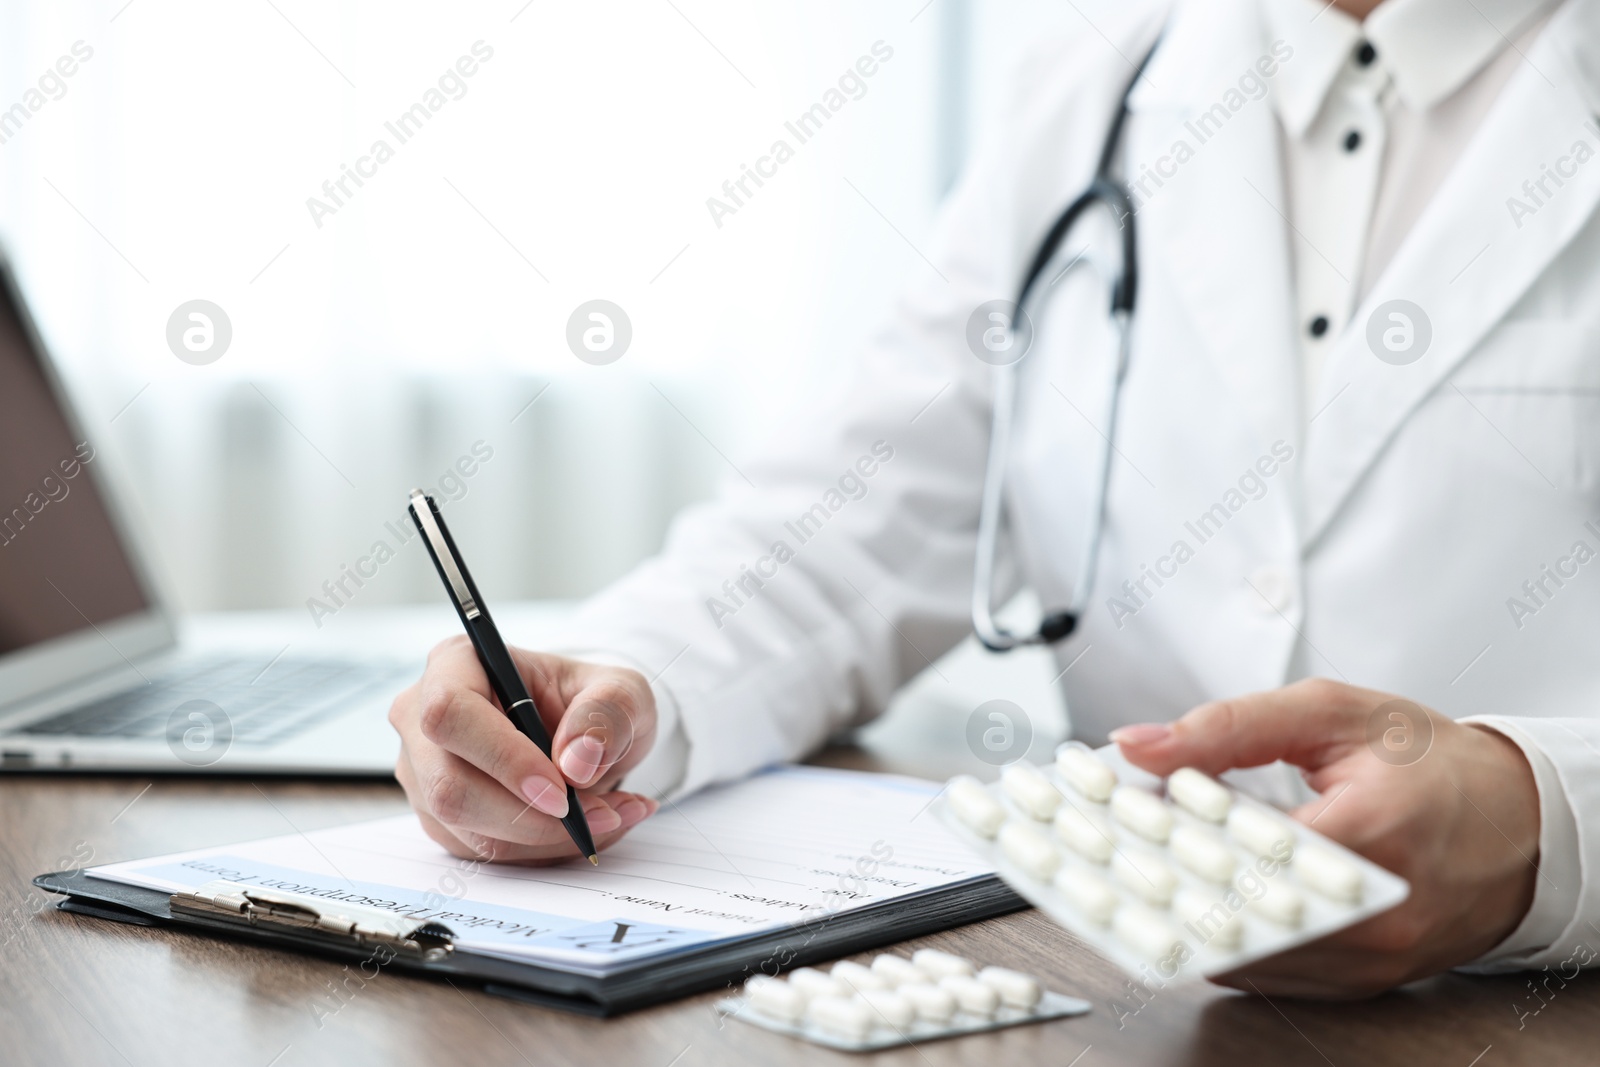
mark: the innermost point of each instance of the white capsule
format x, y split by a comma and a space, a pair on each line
1084, 834
1026, 846
890, 1007
1144, 931
1329, 873
1086, 774
1199, 794
1263, 834
1089, 893
1208, 919
1030, 790
1149, 878
899, 971
931, 1002
942, 964
858, 977
775, 998
1279, 903
1203, 853
974, 805
972, 995
1015, 988
1141, 812
845, 1016
814, 983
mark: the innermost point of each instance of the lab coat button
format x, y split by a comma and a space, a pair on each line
1272, 589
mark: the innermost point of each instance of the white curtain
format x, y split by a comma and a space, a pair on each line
372, 346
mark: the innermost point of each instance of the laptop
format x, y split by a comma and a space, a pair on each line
93, 676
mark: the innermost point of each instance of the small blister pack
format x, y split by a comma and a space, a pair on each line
1186, 875
896, 1001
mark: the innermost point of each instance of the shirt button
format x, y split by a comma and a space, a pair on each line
1318, 326
1352, 140
1272, 589
1365, 54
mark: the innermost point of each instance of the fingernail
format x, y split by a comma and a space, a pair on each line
1145, 733
602, 820
581, 759
545, 795
652, 806
631, 811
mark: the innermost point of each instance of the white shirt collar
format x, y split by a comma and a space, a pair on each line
1429, 47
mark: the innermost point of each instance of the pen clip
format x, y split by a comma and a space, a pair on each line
422, 508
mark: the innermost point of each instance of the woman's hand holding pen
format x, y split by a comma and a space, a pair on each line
484, 791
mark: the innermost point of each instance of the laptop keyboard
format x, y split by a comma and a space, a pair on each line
261, 707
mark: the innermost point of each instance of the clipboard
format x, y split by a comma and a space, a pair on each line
340, 931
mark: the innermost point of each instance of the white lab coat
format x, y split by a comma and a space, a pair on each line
1384, 551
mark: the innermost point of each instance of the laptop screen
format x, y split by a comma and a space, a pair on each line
63, 567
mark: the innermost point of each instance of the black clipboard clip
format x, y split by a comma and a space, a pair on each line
340, 923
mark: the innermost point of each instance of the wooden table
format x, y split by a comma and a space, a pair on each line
79, 991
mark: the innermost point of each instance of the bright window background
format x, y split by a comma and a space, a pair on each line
369, 354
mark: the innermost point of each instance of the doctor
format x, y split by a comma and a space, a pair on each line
1352, 515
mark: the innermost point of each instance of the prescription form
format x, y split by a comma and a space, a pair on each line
783, 848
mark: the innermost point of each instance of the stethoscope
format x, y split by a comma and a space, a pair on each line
1110, 192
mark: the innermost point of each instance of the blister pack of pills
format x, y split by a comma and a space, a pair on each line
896, 1001
1186, 875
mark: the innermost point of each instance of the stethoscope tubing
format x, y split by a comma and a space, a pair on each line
1106, 191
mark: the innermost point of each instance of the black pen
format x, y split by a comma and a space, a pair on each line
504, 677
